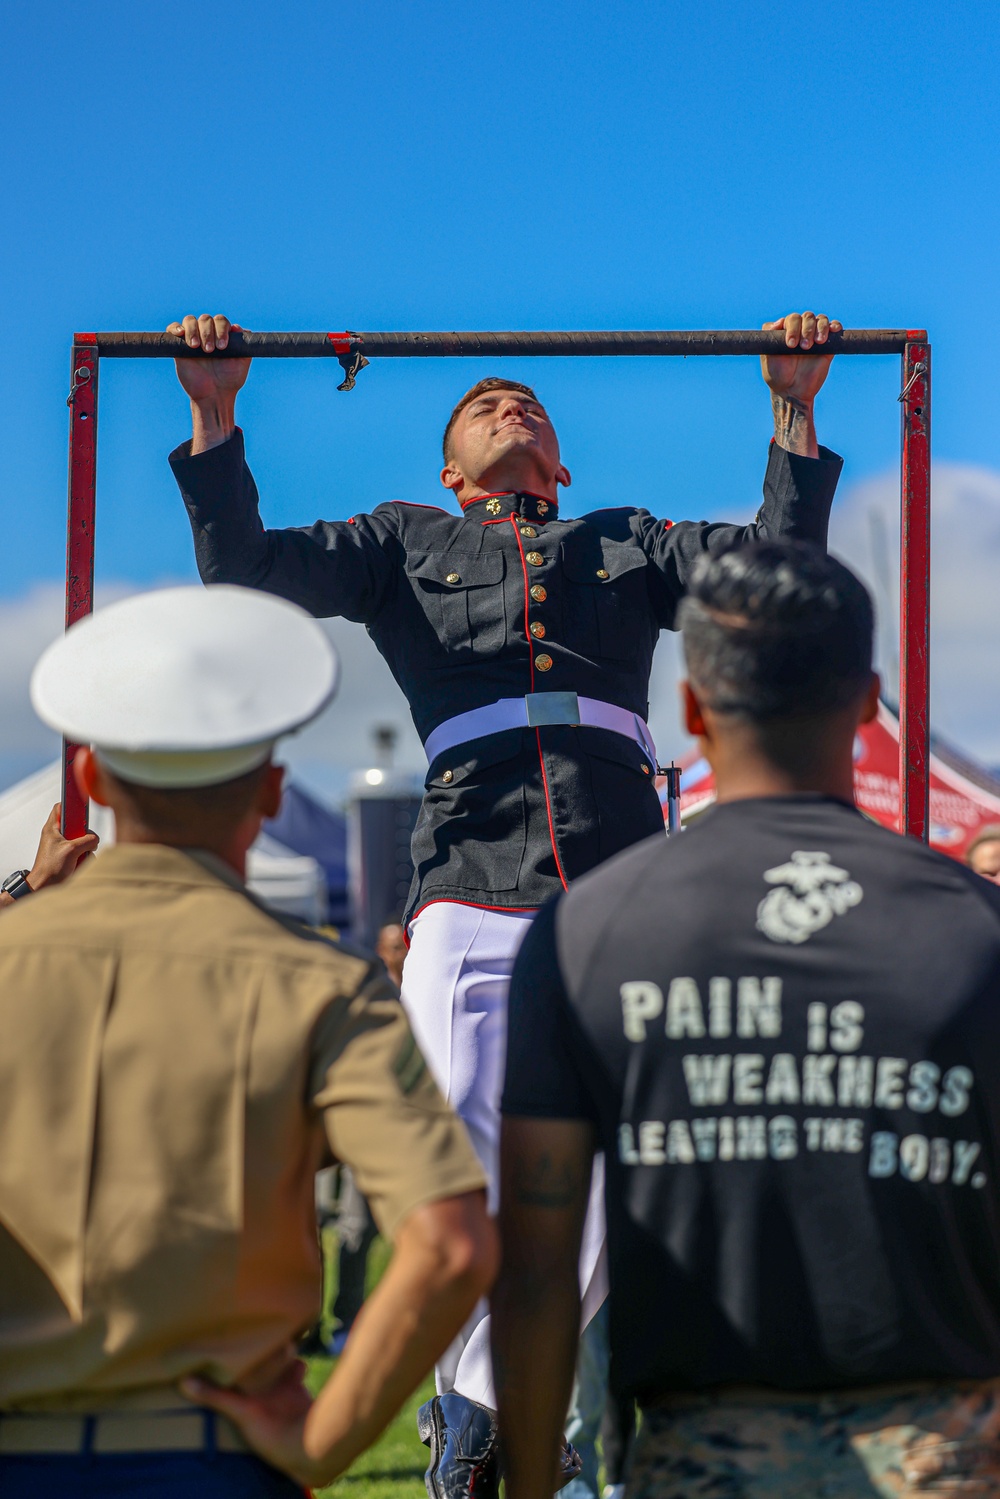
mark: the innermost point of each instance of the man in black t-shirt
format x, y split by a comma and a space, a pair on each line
783, 1029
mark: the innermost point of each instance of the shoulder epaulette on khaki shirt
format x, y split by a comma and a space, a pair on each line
177, 1064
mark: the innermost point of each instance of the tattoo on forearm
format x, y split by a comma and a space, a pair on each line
793, 425
545, 1183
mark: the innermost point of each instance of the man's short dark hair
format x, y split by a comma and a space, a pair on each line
191, 811
777, 630
492, 382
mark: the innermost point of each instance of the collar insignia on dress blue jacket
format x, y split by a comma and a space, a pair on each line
530, 507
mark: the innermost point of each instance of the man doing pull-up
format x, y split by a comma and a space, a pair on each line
523, 642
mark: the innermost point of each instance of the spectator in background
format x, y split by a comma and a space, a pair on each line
356, 1228
57, 858
339, 1202
983, 853
177, 1062
783, 1029
356, 1232
391, 948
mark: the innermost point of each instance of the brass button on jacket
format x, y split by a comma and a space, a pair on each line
453, 578
538, 630
447, 776
528, 531
543, 663
535, 558
538, 593
603, 573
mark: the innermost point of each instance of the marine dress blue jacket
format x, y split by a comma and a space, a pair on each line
504, 599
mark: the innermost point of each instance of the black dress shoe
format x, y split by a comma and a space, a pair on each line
465, 1451
570, 1464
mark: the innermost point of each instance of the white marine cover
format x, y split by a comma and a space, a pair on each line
186, 670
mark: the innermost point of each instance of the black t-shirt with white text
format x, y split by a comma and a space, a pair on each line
785, 1025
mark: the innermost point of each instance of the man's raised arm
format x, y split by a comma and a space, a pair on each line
211, 384
799, 483
795, 382
332, 567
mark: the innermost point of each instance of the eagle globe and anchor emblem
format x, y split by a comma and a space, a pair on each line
810, 891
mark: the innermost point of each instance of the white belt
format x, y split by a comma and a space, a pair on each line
536, 710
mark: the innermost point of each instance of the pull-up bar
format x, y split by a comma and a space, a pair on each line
485, 345
354, 350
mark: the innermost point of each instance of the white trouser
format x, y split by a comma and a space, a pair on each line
455, 982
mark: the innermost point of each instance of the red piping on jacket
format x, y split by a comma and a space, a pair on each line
475, 905
527, 602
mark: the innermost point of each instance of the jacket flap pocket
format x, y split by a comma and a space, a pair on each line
603, 565
477, 754
450, 572
604, 744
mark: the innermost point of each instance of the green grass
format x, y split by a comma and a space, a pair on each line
394, 1467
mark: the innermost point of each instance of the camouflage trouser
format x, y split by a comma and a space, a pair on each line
941, 1440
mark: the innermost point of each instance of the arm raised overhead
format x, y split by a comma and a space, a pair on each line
799, 483
332, 567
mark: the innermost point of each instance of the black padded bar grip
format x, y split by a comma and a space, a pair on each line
260, 345
487, 345
731, 341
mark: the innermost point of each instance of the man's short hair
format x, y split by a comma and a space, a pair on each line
777, 630
178, 810
492, 382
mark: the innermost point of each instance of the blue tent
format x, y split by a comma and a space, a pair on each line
308, 826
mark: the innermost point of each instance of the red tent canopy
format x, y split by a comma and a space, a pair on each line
964, 796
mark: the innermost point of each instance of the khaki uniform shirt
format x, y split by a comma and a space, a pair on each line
176, 1064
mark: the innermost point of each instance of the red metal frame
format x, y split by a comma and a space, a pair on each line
915, 398
82, 515
915, 592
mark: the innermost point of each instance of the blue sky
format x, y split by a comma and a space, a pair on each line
443, 165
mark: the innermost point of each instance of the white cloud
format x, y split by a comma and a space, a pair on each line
341, 741
27, 625
965, 566
325, 753
965, 662
965, 584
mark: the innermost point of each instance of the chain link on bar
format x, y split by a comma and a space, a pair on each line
920, 368
80, 377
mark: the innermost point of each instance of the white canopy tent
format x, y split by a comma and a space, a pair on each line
289, 882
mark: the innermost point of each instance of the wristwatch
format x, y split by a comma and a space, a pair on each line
16, 884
